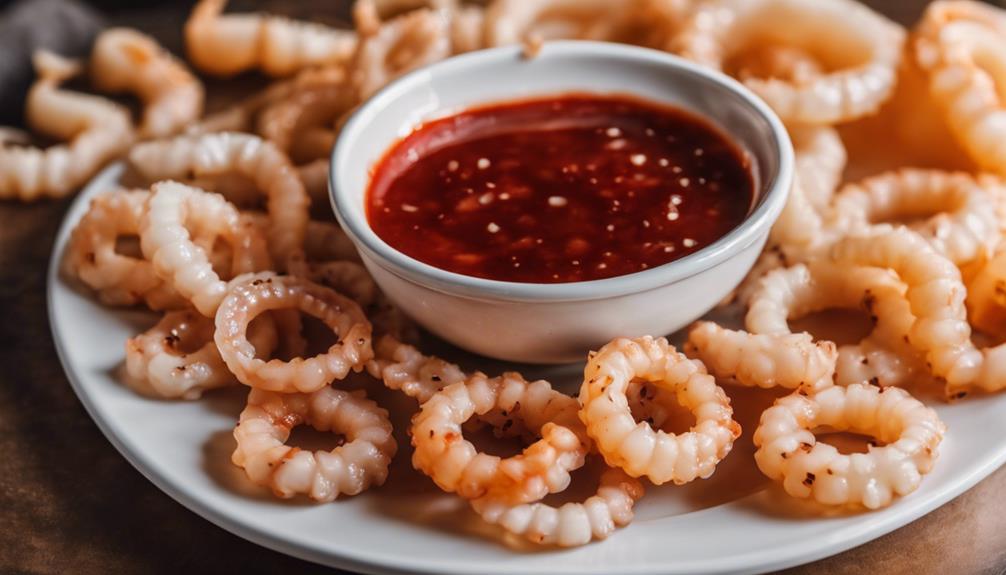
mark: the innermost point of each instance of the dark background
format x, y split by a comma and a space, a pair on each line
70, 504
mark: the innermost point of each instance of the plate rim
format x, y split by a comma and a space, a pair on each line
764, 560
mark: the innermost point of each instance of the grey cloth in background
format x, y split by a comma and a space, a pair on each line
66, 27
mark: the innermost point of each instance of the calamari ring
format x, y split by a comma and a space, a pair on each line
119, 279
251, 295
225, 45
455, 465
644, 22
572, 524
792, 361
859, 48
637, 448
96, 131
789, 452
127, 60
349, 469
389, 49
404, 368
956, 214
959, 46
884, 357
935, 293
177, 358
167, 242
215, 154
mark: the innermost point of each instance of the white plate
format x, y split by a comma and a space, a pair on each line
734, 522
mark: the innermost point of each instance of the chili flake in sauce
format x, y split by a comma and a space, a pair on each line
564, 189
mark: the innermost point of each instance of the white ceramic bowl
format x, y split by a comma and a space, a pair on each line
553, 323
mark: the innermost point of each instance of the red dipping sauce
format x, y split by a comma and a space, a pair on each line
563, 189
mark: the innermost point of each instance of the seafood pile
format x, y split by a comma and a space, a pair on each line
232, 254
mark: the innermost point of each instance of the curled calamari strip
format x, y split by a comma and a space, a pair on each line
807, 226
242, 115
804, 226
119, 279
299, 115
251, 295
936, 294
638, 448
125, 60
389, 49
403, 367
858, 50
793, 361
177, 358
315, 105
349, 469
177, 214
266, 166
884, 357
95, 130
574, 523
466, 21
456, 465
959, 46
953, 210
788, 450
225, 45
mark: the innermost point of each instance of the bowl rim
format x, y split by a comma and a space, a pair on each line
747, 232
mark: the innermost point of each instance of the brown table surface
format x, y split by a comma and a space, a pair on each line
69, 503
